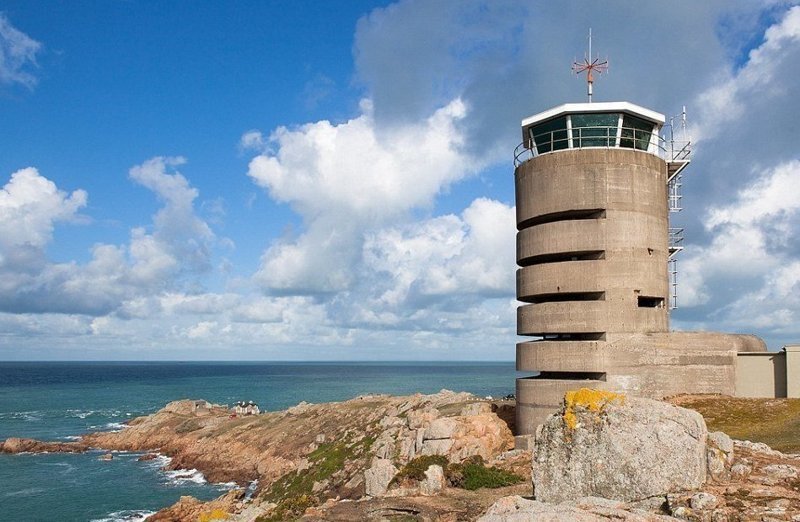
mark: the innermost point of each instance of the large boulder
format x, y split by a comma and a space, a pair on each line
378, 477
607, 445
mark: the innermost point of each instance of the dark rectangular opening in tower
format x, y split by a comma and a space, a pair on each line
571, 376
566, 296
586, 255
566, 215
650, 302
584, 336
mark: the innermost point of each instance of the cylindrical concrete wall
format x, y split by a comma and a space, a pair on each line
593, 242
592, 245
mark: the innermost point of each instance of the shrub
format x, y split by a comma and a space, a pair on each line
289, 509
471, 474
415, 469
476, 476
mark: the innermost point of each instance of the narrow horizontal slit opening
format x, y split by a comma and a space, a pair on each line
650, 302
566, 296
560, 257
591, 336
571, 376
566, 215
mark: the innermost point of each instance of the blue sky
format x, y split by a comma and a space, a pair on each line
332, 180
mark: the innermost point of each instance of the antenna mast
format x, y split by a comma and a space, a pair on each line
590, 66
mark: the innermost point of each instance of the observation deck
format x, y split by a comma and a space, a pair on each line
621, 125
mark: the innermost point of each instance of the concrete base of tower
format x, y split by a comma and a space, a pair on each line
644, 365
539, 397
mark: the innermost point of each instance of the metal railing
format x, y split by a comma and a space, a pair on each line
607, 136
675, 240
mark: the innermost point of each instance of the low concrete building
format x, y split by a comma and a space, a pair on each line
595, 183
769, 374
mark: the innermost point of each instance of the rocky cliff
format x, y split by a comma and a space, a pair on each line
310, 453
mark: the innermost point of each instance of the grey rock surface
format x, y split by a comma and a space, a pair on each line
702, 501
378, 476
781, 471
442, 428
721, 441
627, 450
518, 509
434, 481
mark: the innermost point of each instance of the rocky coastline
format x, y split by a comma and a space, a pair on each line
449, 456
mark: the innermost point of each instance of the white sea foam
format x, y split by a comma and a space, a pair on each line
128, 515
161, 461
110, 426
226, 485
251, 489
115, 426
23, 492
81, 414
180, 477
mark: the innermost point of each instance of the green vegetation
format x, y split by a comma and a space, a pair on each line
293, 491
775, 422
415, 469
188, 426
289, 509
471, 474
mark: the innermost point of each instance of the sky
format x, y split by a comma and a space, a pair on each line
266, 180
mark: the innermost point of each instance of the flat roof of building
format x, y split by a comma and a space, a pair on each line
575, 108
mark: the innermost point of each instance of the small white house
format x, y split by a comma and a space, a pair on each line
246, 408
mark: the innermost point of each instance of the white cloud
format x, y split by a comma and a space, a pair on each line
178, 232
727, 101
17, 55
252, 140
349, 178
30, 205
754, 243
445, 257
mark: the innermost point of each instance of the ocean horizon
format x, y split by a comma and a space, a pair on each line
60, 400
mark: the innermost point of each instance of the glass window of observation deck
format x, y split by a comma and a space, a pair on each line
594, 130
636, 133
550, 135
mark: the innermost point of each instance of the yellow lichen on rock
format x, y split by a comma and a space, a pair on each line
588, 399
216, 514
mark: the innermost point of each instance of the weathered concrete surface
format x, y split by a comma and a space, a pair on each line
653, 366
592, 246
619, 448
627, 188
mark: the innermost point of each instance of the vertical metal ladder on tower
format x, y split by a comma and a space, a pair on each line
678, 157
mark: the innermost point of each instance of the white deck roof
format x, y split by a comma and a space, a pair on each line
572, 108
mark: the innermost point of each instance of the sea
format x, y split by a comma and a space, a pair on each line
58, 401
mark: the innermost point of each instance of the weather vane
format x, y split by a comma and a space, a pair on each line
590, 66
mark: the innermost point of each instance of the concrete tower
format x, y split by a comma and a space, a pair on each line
593, 184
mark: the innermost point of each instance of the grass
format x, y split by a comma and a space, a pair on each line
471, 474
289, 509
477, 475
775, 422
415, 469
293, 491
326, 460
188, 426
